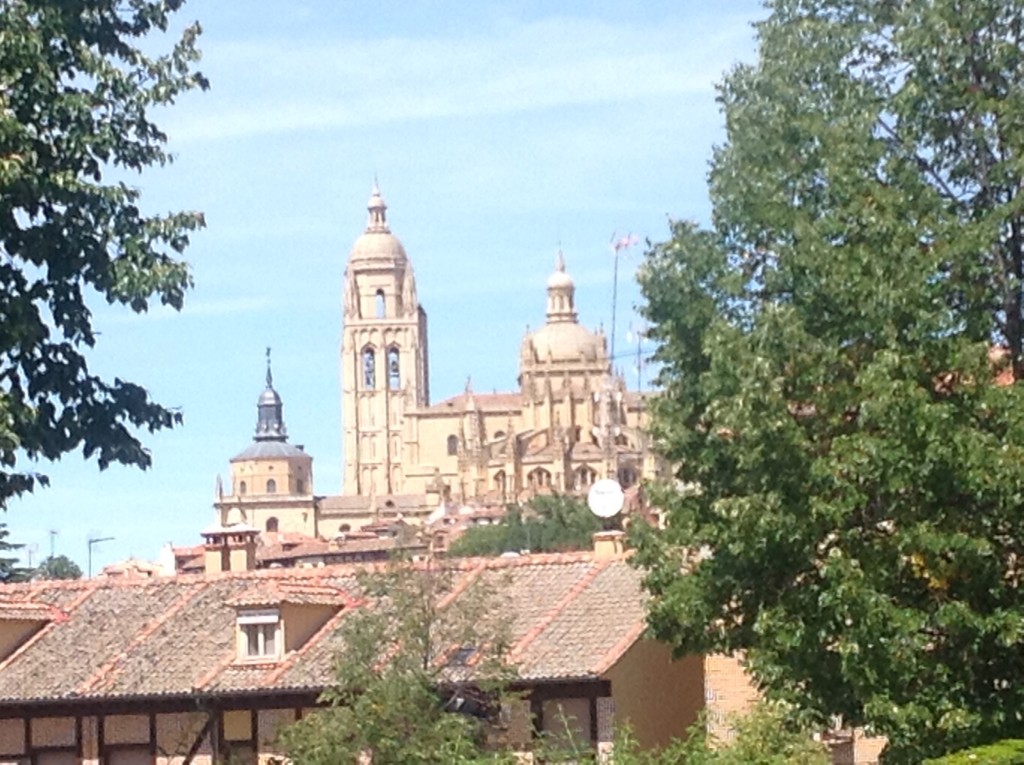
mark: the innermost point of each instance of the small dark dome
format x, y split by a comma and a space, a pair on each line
270, 421
269, 397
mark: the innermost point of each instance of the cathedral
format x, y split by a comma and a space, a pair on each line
569, 421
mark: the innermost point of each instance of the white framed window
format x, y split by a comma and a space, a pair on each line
259, 634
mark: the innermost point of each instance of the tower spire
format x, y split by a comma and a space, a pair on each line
378, 221
561, 293
270, 408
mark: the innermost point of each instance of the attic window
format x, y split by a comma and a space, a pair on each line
461, 657
259, 635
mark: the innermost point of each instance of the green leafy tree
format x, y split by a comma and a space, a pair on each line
548, 523
840, 353
10, 571
764, 736
57, 567
417, 673
76, 90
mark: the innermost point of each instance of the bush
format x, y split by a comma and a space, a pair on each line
1007, 752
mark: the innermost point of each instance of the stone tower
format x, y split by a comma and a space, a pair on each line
384, 369
271, 480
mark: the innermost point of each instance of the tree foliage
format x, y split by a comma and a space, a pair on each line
76, 90
417, 670
421, 671
1009, 752
840, 351
57, 567
10, 571
554, 523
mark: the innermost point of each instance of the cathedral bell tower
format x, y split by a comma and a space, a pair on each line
383, 357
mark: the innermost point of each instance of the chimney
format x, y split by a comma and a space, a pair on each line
609, 544
230, 548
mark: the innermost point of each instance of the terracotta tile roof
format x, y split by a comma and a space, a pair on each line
487, 402
338, 550
571, 618
342, 502
299, 593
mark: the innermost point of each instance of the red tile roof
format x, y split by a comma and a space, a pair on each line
571, 618
486, 402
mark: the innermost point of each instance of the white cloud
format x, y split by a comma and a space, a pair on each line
514, 67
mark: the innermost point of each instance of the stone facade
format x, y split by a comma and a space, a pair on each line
569, 421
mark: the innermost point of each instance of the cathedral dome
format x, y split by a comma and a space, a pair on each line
566, 341
563, 338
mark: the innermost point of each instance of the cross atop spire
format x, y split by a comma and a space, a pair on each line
270, 376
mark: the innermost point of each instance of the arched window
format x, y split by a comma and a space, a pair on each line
453, 445
242, 488
369, 368
271, 486
380, 306
300, 486
584, 477
344, 528
499, 434
272, 524
539, 478
499, 482
394, 376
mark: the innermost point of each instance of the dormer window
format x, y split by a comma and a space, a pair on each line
19, 620
259, 635
276, 618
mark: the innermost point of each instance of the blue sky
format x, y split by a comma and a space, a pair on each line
498, 131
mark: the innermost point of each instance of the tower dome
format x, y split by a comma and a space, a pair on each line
377, 243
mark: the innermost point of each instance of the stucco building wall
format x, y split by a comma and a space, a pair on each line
657, 697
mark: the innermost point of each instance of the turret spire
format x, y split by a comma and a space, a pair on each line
377, 222
270, 418
561, 293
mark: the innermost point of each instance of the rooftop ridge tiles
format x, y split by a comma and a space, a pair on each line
545, 621
37, 587
104, 674
214, 672
616, 651
462, 585
276, 592
26, 604
289, 661
47, 628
